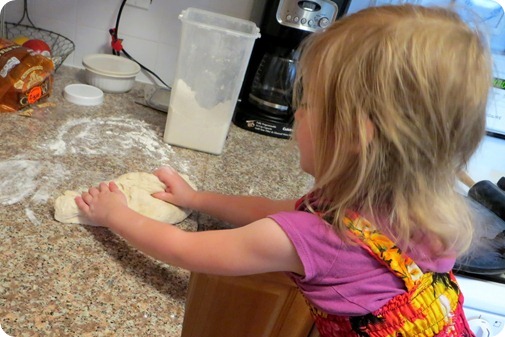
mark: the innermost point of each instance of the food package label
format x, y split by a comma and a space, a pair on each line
25, 76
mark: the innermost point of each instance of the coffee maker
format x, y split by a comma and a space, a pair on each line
264, 103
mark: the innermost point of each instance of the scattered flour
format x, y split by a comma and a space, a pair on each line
107, 136
31, 216
21, 178
17, 180
47, 183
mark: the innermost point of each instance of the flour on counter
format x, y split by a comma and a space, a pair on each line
34, 180
31, 216
107, 136
58, 173
17, 180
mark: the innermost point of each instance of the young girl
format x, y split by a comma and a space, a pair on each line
391, 105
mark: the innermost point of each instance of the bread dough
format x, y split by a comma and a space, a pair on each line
137, 187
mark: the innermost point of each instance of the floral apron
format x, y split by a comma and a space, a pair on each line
432, 305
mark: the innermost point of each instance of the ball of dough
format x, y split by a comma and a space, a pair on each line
137, 187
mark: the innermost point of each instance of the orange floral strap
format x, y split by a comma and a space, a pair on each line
367, 236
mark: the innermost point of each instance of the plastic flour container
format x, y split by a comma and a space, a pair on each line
213, 56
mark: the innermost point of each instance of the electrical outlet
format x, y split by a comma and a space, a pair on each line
144, 4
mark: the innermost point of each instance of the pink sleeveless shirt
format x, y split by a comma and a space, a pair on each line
340, 278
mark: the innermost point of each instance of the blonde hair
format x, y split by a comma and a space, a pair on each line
421, 76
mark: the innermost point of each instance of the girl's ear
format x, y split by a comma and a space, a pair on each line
369, 135
370, 130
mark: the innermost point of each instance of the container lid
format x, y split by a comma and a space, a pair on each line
83, 94
221, 22
111, 65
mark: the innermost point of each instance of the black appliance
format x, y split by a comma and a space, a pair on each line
264, 104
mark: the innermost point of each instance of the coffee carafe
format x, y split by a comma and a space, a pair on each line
264, 104
272, 84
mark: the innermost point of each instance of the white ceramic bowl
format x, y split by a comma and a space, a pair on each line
109, 83
110, 73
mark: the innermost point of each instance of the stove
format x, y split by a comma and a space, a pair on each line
484, 304
485, 294
496, 278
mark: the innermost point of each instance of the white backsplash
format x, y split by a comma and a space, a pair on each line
150, 36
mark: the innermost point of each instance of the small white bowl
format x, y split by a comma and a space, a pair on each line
111, 65
112, 74
109, 83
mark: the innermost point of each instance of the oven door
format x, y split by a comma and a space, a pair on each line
484, 306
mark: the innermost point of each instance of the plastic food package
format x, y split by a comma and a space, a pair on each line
25, 76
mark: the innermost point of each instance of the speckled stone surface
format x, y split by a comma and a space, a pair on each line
73, 280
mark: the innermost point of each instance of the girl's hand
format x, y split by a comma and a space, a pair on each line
100, 203
178, 191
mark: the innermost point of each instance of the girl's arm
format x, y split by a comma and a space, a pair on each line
234, 209
239, 210
259, 247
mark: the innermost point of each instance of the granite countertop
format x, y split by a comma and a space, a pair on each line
64, 280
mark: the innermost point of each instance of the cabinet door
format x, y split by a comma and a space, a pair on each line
267, 305
314, 332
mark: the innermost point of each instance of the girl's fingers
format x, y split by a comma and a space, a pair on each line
86, 197
81, 203
113, 187
93, 191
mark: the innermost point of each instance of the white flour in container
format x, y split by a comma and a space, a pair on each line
193, 126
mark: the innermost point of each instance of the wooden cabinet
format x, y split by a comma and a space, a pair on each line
266, 305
